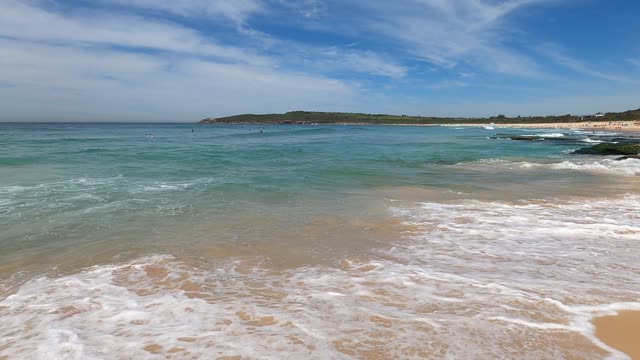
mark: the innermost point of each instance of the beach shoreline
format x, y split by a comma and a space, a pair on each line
627, 126
624, 126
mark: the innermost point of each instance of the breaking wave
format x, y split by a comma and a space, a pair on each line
472, 279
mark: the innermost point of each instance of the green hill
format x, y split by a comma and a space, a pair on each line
312, 117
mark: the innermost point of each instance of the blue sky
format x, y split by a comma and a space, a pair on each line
182, 60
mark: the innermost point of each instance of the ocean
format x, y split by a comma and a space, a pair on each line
185, 241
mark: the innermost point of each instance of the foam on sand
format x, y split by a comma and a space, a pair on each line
475, 279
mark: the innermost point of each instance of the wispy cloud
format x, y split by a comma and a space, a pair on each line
308, 8
556, 54
21, 21
77, 81
236, 10
331, 59
446, 33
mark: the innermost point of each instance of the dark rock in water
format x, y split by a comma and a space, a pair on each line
611, 149
520, 137
559, 139
625, 140
526, 138
628, 157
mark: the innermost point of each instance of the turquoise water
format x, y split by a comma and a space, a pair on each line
455, 216
70, 184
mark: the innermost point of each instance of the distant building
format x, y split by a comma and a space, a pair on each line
599, 115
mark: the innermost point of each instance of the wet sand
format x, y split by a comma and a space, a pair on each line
621, 331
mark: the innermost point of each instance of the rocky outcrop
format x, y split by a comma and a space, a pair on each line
626, 149
559, 139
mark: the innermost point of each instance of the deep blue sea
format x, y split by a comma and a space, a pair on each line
187, 241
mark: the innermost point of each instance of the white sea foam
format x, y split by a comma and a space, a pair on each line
623, 167
472, 280
550, 135
162, 187
598, 133
83, 185
84, 195
594, 141
12, 189
558, 251
607, 165
168, 186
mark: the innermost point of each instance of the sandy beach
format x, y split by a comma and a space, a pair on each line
595, 125
621, 331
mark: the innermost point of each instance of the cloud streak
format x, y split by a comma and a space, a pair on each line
30, 23
237, 11
555, 53
446, 33
79, 81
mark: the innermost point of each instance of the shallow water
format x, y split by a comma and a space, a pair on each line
153, 241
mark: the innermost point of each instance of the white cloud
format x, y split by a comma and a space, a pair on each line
30, 23
446, 33
371, 63
334, 59
464, 31
21, 21
236, 10
71, 83
308, 8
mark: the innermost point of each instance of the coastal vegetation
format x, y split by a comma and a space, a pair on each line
313, 117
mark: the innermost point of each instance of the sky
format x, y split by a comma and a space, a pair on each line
184, 60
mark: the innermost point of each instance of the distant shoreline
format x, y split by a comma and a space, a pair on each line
625, 119
633, 126
591, 125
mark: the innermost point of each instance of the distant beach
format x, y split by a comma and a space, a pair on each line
592, 125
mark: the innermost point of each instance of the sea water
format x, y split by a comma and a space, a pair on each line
182, 241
